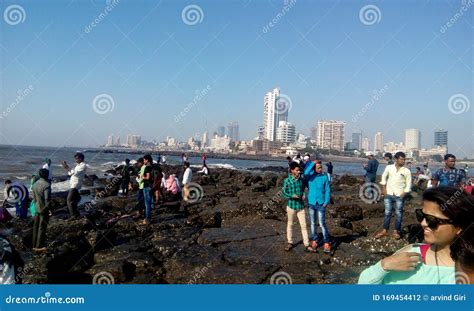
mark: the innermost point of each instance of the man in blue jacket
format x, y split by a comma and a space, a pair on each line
319, 196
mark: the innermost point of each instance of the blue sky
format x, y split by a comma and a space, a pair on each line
152, 64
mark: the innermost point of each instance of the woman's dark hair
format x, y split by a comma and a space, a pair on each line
148, 158
462, 249
140, 160
388, 155
454, 203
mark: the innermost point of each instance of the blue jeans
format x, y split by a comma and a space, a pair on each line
389, 202
147, 199
318, 211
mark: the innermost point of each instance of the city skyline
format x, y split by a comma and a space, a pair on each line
157, 75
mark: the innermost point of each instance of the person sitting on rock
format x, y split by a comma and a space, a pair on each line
293, 191
446, 212
171, 185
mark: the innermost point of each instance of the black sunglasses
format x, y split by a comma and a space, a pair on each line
432, 221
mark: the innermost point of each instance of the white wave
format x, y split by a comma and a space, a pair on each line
60, 186
21, 177
109, 163
222, 165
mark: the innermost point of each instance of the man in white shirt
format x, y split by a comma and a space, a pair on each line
77, 178
188, 175
396, 184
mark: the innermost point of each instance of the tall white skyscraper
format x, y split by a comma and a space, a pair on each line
365, 144
412, 139
110, 140
273, 113
286, 132
331, 135
378, 142
205, 139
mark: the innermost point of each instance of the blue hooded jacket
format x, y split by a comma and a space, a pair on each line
318, 185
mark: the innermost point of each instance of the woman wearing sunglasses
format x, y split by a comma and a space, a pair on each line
445, 213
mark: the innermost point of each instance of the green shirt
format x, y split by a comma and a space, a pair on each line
424, 274
292, 186
141, 183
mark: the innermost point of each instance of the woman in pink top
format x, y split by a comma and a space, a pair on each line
171, 185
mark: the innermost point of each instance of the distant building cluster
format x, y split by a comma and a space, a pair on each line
277, 135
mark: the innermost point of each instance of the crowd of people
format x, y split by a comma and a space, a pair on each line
446, 214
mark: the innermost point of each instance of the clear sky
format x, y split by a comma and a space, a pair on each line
152, 59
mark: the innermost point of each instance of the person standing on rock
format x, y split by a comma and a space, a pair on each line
396, 184
319, 196
140, 199
330, 169
147, 180
370, 176
187, 177
388, 157
42, 197
293, 191
449, 175
77, 178
125, 173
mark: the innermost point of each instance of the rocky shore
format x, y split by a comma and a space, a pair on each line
234, 232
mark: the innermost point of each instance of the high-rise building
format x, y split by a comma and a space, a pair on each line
356, 142
412, 139
233, 131
118, 141
220, 143
366, 144
314, 133
221, 130
110, 140
205, 140
134, 140
331, 135
286, 132
441, 138
274, 111
261, 132
378, 142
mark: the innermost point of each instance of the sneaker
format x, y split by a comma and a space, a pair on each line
327, 247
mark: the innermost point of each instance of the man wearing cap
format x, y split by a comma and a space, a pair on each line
370, 176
